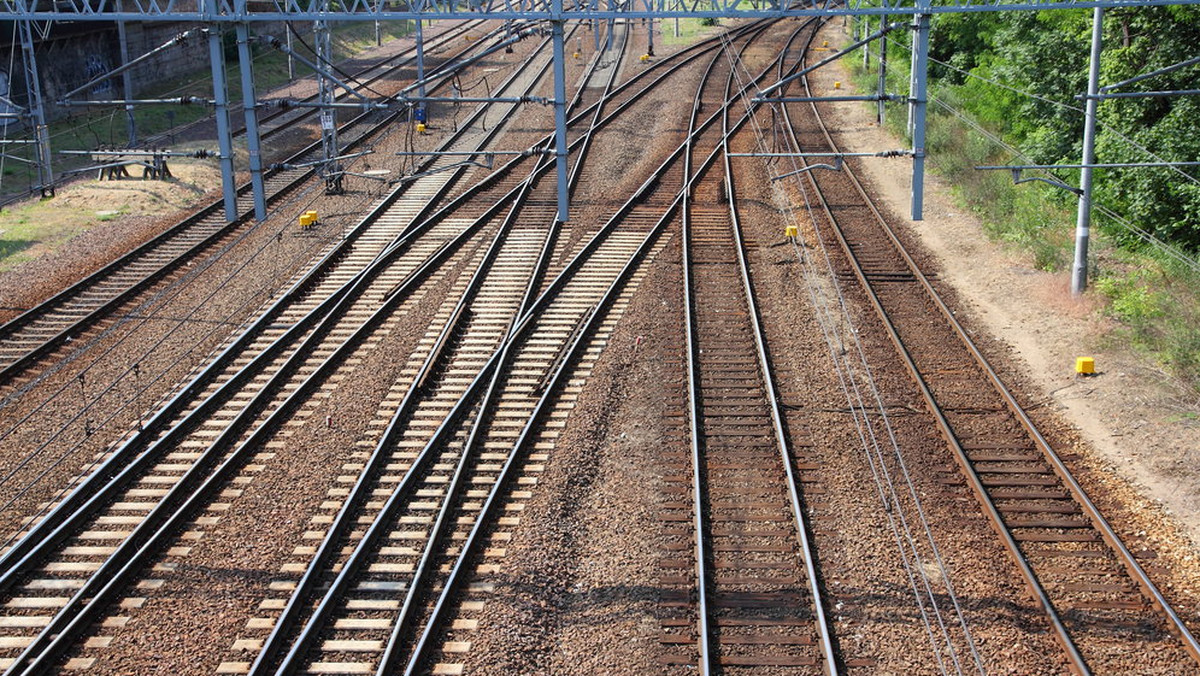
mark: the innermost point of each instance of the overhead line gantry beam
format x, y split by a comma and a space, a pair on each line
233, 11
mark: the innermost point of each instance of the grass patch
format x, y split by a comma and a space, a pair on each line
39, 225
12, 247
690, 30
1154, 299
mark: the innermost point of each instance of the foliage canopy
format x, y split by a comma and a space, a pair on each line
1030, 66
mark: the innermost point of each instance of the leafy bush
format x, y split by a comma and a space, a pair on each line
1156, 303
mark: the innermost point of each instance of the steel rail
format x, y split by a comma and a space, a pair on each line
317, 564
468, 546
828, 649
464, 403
131, 555
1135, 570
693, 390
98, 598
70, 627
108, 589
328, 548
418, 226
366, 543
11, 370
391, 655
707, 660
57, 524
471, 542
990, 510
232, 431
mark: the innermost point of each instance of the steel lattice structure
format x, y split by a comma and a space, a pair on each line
224, 11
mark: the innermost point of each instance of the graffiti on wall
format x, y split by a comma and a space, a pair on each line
95, 66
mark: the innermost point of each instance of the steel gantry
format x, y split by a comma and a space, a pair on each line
37, 110
235, 11
240, 16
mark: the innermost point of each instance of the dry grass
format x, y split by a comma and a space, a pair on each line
34, 228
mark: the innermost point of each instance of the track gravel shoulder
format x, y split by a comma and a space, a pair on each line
581, 588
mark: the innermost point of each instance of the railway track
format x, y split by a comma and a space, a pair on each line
111, 396
1092, 591
749, 596
376, 614
166, 472
347, 510
70, 317
165, 482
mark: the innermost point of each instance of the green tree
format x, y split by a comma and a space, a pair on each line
1043, 58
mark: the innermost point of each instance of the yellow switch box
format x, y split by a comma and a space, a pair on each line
791, 231
1085, 366
645, 58
305, 220
420, 127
